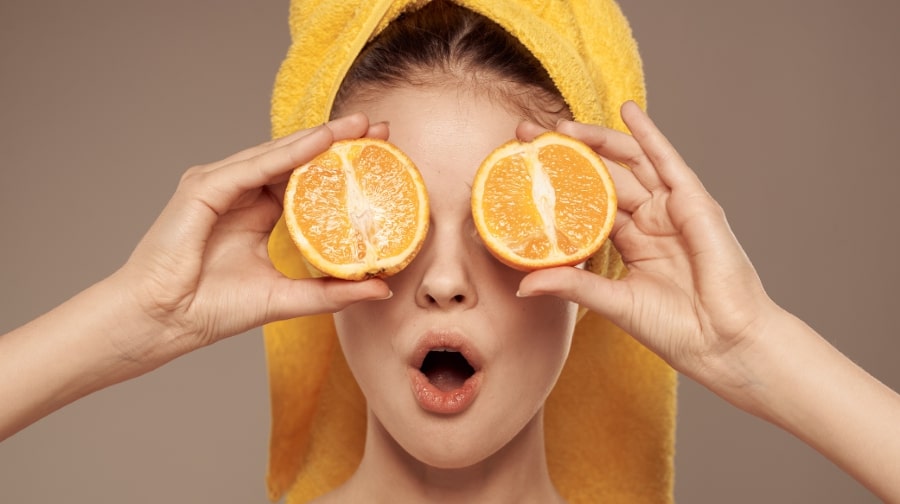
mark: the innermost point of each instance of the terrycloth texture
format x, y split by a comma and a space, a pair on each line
610, 420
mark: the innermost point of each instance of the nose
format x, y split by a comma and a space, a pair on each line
446, 272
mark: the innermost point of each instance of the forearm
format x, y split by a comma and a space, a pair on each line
795, 379
81, 346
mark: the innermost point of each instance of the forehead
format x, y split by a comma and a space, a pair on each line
447, 131
438, 115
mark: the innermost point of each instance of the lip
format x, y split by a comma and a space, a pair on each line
433, 399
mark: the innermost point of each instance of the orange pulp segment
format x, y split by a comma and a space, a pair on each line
548, 202
358, 210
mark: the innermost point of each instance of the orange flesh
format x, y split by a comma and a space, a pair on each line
355, 215
513, 217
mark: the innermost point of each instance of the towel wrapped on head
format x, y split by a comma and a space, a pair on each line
609, 422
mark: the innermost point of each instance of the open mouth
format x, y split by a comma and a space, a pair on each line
446, 369
445, 373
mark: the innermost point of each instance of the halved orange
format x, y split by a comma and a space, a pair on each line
548, 202
358, 210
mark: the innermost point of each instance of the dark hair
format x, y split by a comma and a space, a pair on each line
440, 39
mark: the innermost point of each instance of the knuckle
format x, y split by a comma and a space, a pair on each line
191, 174
193, 178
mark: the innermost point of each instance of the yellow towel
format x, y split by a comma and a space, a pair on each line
610, 420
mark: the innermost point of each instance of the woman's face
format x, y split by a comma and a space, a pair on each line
454, 365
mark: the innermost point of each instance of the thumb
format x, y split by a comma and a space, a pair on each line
612, 299
313, 296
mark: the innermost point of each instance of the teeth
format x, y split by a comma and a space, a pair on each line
442, 349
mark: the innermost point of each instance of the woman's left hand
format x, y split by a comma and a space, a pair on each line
691, 294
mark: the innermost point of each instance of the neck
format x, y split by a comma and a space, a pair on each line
515, 473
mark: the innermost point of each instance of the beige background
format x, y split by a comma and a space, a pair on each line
788, 110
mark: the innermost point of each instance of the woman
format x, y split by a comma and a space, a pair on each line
175, 294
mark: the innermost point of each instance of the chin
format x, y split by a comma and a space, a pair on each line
449, 456
460, 442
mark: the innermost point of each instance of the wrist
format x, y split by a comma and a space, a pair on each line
790, 376
745, 371
96, 339
139, 337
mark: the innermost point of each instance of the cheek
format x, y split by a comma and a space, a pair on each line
362, 341
549, 316
538, 330
543, 336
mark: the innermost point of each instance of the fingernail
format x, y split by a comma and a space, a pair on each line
389, 295
520, 295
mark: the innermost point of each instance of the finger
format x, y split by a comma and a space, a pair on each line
379, 130
609, 298
610, 143
351, 126
623, 218
297, 298
220, 188
619, 147
279, 184
526, 131
203, 196
631, 194
670, 166
256, 150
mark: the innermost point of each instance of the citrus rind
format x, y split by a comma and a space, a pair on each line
358, 210
545, 203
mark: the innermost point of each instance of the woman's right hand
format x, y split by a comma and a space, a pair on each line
202, 271
200, 274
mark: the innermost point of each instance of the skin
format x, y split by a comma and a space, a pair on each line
692, 297
176, 292
453, 286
